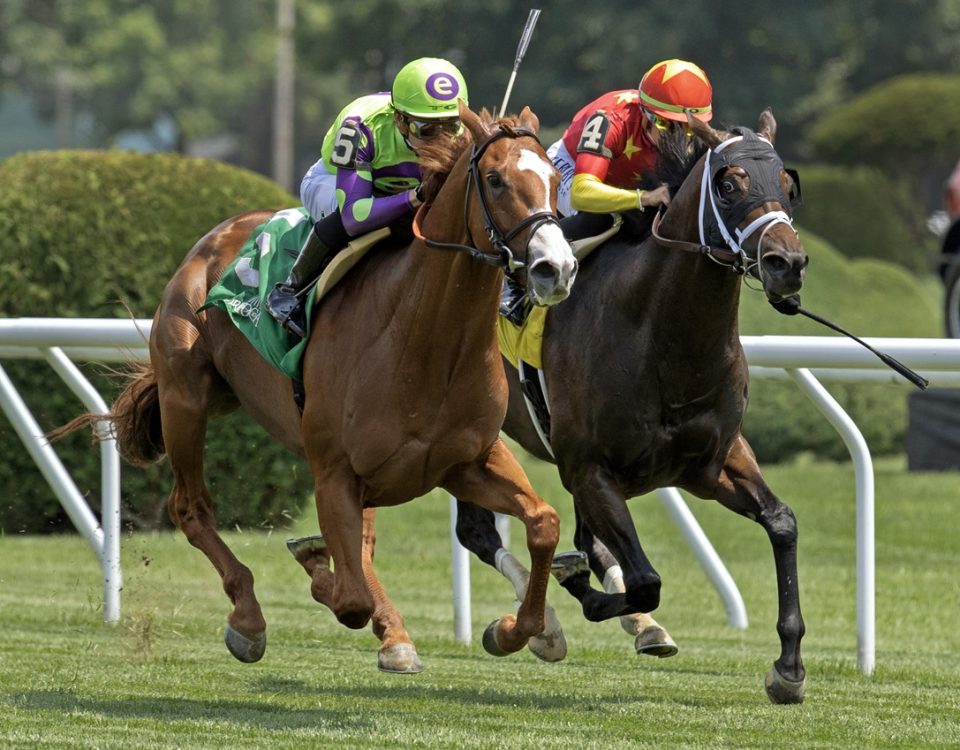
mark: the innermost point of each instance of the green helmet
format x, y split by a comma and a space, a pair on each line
427, 88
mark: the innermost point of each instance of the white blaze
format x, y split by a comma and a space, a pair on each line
548, 243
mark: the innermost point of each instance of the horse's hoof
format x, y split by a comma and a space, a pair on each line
566, 565
550, 645
401, 658
783, 691
490, 644
245, 649
655, 641
306, 543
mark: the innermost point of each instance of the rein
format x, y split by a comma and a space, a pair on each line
719, 254
503, 255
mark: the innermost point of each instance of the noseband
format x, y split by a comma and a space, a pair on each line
757, 157
502, 257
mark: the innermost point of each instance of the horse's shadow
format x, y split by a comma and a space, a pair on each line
270, 716
253, 712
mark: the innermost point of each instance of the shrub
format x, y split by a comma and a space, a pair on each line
98, 234
903, 125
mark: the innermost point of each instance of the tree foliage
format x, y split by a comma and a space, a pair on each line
210, 65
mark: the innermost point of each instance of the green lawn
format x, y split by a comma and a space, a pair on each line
162, 677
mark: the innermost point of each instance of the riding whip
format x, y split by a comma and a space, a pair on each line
521, 51
791, 306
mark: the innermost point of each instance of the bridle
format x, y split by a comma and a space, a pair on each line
762, 164
502, 256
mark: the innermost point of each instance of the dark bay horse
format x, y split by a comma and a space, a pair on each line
647, 381
405, 391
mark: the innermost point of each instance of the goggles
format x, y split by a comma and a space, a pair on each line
424, 129
663, 124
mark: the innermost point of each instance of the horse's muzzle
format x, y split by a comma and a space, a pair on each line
549, 283
782, 271
552, 268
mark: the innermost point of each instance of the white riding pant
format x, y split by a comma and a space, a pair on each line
565, 165
318, 191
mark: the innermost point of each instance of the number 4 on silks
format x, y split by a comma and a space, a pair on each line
593, 135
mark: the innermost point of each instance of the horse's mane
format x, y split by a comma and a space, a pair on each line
678, 155
438, 157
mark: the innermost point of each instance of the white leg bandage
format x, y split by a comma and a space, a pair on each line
513, 571
613, 580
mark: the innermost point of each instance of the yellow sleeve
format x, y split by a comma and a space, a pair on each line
588, 193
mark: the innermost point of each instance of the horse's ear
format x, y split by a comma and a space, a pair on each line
704, 132
473, 123
529, 120
767, 125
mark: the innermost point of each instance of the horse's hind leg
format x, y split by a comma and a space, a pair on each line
743, 489
184, 388
477, 531
499, 484
650, 637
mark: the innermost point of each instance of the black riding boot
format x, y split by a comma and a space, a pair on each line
514, 305
285, 301
581, 225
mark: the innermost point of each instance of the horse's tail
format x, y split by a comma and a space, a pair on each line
134, 418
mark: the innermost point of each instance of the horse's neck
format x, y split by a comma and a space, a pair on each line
457, 292
672, 293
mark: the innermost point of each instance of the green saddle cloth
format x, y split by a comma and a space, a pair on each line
264, 261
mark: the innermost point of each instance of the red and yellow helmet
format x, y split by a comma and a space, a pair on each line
672, 86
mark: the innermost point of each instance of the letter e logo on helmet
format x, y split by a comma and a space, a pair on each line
428, 88
442, 86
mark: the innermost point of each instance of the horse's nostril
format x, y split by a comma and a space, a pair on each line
775, 265
544, 273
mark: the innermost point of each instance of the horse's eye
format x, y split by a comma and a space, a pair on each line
727, 187
494, 180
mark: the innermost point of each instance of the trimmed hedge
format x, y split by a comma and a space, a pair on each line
904, 125
98, 234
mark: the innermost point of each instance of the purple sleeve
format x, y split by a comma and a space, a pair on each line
360, 210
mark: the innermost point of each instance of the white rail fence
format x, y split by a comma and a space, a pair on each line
62, 341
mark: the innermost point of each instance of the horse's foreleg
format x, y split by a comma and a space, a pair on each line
477, 531
184, 418
499, 484
397, 652
743, 489
314, 557
650, 637
602, 507
339, 500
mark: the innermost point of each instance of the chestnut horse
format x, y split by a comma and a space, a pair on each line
647, 380
404, 387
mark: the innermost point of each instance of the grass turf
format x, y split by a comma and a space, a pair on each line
162, 677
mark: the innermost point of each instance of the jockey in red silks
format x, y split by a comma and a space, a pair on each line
609, 153
611, 146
